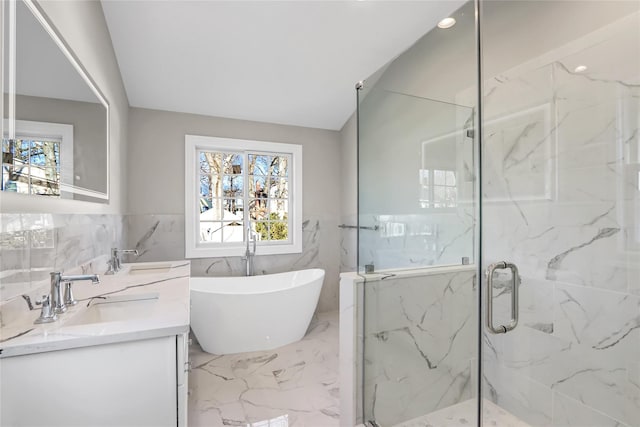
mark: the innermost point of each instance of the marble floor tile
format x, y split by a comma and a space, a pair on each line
294, 385
464, 414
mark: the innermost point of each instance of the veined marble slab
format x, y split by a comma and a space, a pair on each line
32, 245
418, 340
167, 315
560, 177
294, 385
465, 414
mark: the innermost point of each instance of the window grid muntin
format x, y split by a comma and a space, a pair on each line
439, 181
49, 182
246, 199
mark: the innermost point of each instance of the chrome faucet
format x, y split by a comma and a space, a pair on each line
250, 252
47, 314
114, 263
58, 303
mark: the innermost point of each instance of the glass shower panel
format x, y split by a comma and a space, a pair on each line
415, 177
416, 210
561, 201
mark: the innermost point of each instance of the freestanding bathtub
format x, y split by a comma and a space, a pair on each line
241, 314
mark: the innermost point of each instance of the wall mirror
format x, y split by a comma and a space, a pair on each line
55, 121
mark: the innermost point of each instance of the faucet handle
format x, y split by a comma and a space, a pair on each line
111, 267
47, 315
27, 298
68, 295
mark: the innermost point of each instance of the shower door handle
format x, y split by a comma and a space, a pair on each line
515, 277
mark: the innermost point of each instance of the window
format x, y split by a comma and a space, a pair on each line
237, 188
39, 160
438, 189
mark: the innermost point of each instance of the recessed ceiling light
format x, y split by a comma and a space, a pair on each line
580, 69
447, 23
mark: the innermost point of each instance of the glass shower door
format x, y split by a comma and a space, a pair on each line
561, 201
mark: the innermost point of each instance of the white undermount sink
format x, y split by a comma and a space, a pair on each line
116, 309
147, 268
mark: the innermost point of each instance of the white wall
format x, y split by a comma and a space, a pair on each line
156, 192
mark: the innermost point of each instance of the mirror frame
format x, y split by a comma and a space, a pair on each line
66, 50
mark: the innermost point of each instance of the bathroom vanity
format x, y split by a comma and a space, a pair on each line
118, 357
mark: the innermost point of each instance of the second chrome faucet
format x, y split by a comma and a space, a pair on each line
115, 264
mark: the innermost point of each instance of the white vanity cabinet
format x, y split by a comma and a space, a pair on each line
133, 383
183, 367
120, 361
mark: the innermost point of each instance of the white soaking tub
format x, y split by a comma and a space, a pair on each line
241, 314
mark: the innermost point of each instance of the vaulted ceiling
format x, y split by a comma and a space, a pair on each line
287, 62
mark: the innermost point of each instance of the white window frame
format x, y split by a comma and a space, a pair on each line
194, 248
60, 132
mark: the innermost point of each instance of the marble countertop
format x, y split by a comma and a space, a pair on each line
166, 314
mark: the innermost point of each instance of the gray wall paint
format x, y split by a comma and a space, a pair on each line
89, 134
155, 225
150, 168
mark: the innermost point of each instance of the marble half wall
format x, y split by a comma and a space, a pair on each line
418, 341
161, 238
33, 245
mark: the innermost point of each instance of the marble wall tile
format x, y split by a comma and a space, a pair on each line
33, 245
161, 238
575, 339
415, 241
561, 198
349, 345
568, 412
156, 237
348, 245
527, 399
418, 344
597, 319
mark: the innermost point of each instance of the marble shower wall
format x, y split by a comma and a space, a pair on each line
33, 245
562, 201
348, 245
161, 238
419, 342
416, 241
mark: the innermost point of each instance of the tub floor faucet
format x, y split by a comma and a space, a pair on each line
250, 252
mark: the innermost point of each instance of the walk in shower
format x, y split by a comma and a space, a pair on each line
499, 221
